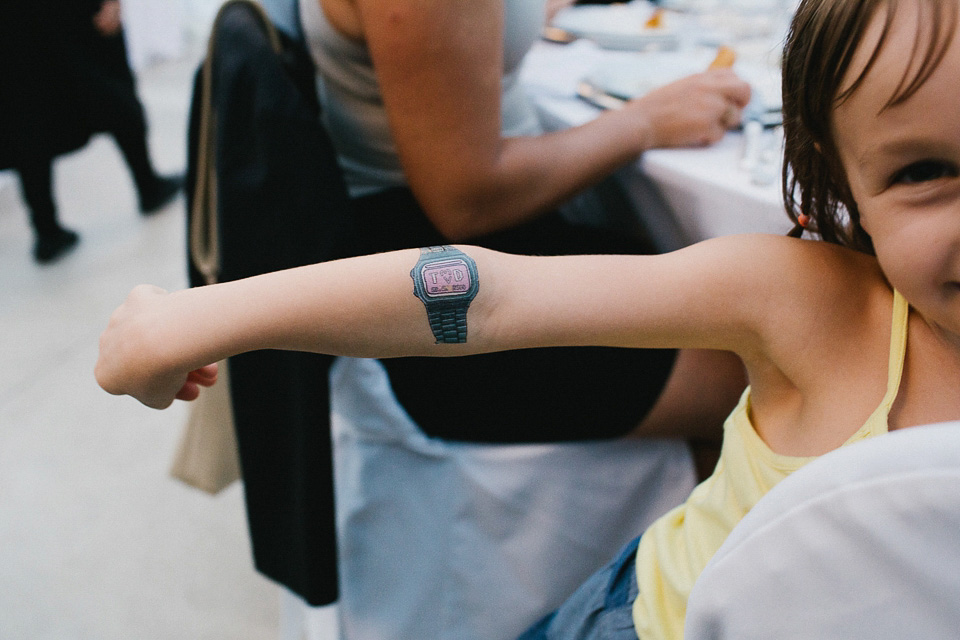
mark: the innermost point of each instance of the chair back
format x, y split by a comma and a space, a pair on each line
862, 543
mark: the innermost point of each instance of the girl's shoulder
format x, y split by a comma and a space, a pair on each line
794, 273
825, 343
800, 269
832, 276
819, 275
802, 297
785, 251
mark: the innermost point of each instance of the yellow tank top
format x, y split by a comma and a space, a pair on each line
677, 547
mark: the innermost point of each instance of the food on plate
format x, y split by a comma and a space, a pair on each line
656, 20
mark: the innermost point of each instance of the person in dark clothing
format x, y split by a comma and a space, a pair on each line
64, 76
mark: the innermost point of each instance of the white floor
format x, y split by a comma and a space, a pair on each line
96, 541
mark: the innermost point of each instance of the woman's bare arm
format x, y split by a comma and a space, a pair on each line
439, 64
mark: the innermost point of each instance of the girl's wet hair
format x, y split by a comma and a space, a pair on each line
823, 38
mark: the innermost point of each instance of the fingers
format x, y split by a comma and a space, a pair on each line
696, 110
712, 135
719, 114
733, 88
737, 91
735, 95
204, 376
189, 392
730, 117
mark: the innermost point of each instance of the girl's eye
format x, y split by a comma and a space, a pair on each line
924, 171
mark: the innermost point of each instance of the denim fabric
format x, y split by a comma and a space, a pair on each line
601, 609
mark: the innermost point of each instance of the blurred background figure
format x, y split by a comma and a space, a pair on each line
64, 76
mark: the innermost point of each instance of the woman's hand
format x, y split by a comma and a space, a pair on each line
440, 65
131, 359
693, 111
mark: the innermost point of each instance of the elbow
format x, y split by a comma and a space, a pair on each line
473, 208
473, 201
456, 225
462, 216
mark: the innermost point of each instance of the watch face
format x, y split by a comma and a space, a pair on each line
444, 278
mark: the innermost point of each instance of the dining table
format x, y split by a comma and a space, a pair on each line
684, 194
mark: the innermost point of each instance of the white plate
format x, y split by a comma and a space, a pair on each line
619, 26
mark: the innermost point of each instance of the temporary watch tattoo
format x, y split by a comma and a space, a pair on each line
445, 279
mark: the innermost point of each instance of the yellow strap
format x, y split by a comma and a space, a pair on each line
898, 348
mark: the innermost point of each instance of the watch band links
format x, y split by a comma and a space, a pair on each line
448, 325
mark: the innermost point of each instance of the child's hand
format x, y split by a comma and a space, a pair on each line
131, 361
205, 376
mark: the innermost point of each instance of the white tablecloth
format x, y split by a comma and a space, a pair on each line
707, 193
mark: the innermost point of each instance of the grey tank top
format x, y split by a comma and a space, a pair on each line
353, 110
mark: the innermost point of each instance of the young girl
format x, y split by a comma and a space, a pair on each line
842, 340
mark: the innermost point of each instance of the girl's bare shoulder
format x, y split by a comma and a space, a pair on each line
804, 270
825, 345
803, 297
824, 302
793, 274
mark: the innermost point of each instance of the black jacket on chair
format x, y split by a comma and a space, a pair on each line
281, 204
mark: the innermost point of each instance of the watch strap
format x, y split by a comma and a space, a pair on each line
449, 324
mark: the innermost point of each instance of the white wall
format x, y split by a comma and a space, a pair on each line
158, 30
154, 30
198, 17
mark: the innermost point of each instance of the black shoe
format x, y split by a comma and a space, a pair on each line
161, 192
49, 248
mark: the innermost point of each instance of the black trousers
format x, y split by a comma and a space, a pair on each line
104, 92
107, 95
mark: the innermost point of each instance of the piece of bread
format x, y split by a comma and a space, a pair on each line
726, 56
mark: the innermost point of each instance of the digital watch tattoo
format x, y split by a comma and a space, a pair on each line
445, 280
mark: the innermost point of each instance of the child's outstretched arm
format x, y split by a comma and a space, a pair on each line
415, 302
157, 345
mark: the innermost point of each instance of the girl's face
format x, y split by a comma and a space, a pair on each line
903, 166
